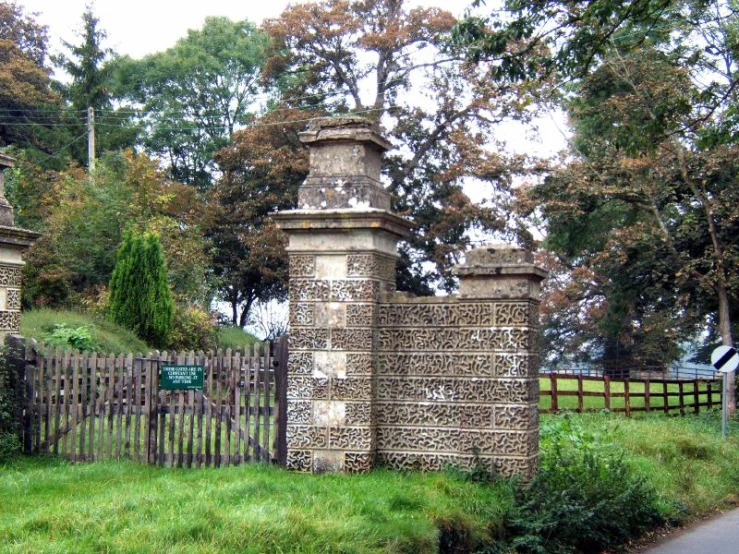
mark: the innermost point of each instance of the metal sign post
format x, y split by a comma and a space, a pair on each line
725, 359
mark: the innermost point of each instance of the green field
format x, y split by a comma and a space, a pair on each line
636, 393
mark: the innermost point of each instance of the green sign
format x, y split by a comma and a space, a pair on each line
181, 377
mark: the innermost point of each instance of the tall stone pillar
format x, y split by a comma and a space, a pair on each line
13, 242
342, 253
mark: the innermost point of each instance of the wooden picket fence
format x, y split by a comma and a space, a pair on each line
87, 406
587, 394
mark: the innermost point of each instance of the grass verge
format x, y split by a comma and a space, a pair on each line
49, 506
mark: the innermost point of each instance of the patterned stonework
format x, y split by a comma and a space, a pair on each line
10, 276
14, 299
380, 378
10, 321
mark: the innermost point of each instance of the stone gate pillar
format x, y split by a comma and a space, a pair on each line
13, 242
342, 253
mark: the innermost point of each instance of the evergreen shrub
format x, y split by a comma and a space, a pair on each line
140, 298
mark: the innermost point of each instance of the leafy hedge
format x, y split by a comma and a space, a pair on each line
9, 443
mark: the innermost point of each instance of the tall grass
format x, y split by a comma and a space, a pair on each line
49, 506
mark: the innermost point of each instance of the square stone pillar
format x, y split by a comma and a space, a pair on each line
13, 242
507, 277
342, 254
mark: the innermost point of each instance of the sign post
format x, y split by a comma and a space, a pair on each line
725, 359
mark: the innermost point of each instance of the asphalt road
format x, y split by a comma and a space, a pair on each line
718, 536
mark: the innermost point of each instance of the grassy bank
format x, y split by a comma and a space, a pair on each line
677, 469
50, 506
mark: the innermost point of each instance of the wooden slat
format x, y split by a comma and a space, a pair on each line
161, 404
257, 403
120, 385
137, 365
248, 365
281, 399
226, 406
102, 376
37, 396
50, 394
267, 367
218, 407
171, 426
74, 405
91, 400
199, 399
67, 393
83, 403
128, 402
236, 396
210, 369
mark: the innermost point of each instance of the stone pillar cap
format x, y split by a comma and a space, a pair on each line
344, 128
499, 259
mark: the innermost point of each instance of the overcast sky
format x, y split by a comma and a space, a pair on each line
139, 27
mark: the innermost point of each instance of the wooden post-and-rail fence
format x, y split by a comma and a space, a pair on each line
587, 394
87, 406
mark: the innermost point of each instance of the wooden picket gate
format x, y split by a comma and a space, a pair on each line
89, 407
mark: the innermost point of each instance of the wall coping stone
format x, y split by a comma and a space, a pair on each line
296, 221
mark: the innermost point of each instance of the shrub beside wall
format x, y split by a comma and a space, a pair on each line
9, 443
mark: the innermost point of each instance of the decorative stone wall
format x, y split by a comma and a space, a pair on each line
375, 376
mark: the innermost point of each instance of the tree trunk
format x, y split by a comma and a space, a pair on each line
243, 320
234, 312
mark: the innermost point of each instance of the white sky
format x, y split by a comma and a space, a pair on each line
140, 27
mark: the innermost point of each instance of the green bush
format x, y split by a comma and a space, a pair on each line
191, 329
140, 298
585, 498
71, 337
9, 443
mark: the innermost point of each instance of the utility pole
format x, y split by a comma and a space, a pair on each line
91, 139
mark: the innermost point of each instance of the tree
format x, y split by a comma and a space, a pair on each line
83, 223
648, 205
87, 65
140, 298
375, 58
261, 174
27, 104
193, 96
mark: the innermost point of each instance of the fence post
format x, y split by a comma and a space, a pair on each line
696, 398
681, 392
579, 394
280, 441
710, 395
607, 391
647, 386
553, 386
627, 398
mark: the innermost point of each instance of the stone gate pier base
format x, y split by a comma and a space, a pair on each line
376, 376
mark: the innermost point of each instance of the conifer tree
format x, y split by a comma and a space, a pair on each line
140, 298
